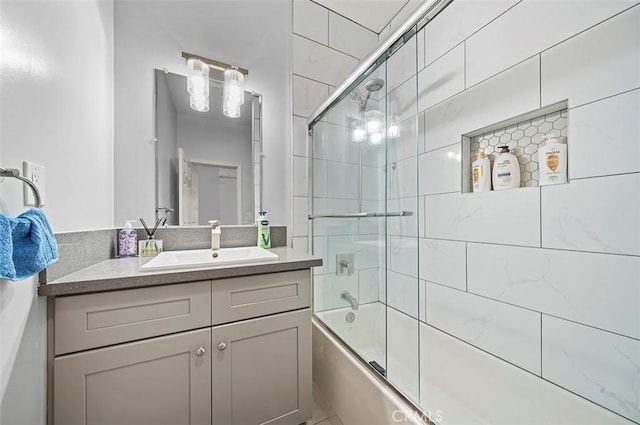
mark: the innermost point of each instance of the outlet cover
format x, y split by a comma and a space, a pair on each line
35, 173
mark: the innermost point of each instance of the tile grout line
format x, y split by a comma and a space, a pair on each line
541, 345
522, 368
485, 297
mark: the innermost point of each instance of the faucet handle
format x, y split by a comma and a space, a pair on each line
214, 223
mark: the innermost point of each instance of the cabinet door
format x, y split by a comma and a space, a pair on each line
164, 380
262, 370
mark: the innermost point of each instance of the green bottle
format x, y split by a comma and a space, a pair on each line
264, 234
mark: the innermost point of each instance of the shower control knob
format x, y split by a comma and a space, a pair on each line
222, 346
200, 352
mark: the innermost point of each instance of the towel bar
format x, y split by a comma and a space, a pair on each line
12, 172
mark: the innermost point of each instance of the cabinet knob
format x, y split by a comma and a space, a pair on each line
200, 352
222, 346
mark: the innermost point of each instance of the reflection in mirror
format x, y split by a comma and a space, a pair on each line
208, 166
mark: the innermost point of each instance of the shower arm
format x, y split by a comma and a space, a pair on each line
362, 215
427, 10
12, 172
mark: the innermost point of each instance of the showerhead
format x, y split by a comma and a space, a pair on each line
374, 85
371, 86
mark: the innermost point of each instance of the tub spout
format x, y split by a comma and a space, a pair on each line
350, 299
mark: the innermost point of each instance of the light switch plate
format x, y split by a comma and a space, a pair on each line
35, 173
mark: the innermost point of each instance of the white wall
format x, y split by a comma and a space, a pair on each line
253, 34
56, 110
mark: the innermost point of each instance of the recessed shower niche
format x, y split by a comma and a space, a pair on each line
523, 135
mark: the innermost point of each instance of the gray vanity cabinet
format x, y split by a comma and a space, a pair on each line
164, 380
262, 370
163, 355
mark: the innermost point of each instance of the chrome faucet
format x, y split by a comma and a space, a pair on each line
215, 235
350, 299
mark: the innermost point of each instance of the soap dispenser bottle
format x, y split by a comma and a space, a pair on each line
128, 240
552, 159
264, 233
506, 170
481, 173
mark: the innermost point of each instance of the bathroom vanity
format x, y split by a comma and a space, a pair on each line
228, 345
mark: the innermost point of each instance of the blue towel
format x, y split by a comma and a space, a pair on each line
27, 245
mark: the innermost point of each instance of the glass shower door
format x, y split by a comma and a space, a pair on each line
348, 218
403, 290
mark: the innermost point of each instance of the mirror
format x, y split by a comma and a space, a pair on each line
208, 166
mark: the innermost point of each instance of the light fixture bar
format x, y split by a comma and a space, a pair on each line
220, 66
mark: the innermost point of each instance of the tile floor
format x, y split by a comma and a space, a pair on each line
322, 414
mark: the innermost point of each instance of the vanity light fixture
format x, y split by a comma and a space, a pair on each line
198, 84
200, 69
233, 92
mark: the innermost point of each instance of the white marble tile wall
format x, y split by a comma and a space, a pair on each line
402, 178
320, 63
328, 287
509, 332
440, 170
611, 122
444, 262
544, 278
406, 145
300, 176
300, 223
307, 95
441, 79
368, 281
457, 22
406, 225
468, 386
598, 365
571, 71
299, 136
350, 38
510, 93
402, 293
529, 28
403, 255
595, 289
329, 143
402, 352
334, 226
320, 178
343, 180
502, 217
401, 101
326, 47
311, 20
300, 243
401, 65
600, 214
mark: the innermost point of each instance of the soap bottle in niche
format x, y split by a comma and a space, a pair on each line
506, 170
264, 234
481, 173
552, 160
128, 240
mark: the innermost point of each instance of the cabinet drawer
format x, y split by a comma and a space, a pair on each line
252, 296
95, 320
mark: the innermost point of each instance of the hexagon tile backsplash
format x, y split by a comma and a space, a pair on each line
523, 140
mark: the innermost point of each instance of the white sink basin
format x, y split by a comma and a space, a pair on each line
199, 258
